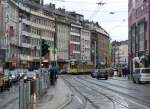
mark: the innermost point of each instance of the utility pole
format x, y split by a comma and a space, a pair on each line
55, 43
41, 47
95, 53
114, 52
40, 51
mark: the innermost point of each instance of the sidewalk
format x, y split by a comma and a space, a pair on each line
120, 78
56, 97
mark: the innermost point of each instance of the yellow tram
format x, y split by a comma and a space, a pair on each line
81, 69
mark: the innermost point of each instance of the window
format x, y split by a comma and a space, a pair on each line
141, 37
11, 31
133, 4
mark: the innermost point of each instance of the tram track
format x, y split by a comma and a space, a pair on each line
143, 103
86, 98
111, 99
98, 93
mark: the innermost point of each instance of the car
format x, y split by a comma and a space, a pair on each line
94, 73
14, 76
30, 75
102, 73
20, 72
141, 75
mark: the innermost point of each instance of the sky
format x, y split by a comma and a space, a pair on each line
112, 16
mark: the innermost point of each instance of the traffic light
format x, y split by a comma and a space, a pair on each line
45, 47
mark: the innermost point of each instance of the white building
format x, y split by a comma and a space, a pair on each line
63, 41
75, 42
85, 46
34, 23
120, 53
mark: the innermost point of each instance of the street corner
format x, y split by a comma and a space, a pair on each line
57, 102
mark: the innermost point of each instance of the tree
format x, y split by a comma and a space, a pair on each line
45, 47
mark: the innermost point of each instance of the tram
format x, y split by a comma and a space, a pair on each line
81, 69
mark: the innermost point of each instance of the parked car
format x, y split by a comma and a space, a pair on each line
141, 75
102, 73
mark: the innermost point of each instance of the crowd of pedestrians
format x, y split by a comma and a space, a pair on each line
121, 72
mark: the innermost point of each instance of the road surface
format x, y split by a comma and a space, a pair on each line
90, 93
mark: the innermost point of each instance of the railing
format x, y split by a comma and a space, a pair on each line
38, 25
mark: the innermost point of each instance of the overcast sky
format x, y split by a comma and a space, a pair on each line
115, 24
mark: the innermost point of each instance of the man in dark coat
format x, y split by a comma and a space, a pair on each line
53, 74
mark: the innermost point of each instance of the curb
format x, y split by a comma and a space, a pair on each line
120, 79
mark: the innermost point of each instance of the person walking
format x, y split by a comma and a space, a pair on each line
52, 74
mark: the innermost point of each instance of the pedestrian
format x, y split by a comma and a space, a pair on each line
128, 72
115, 72
53, 74
124, 72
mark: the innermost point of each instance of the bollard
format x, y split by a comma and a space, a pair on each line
33, 94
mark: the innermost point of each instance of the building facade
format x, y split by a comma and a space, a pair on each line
63, 34
120, 53
103, 47
94, 47
27, 25
9, 42
85, 46
75, 43
100, 42
139, 35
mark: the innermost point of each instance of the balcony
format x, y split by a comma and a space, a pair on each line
30, 34
77, 26
36, 36
48, 38
76, 52
38, 25
74, 34
76, 43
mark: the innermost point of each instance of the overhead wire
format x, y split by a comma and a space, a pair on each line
95, 10
85, 2
118, 25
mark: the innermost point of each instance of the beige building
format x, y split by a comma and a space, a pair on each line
85, 45
27, 24
120, 53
